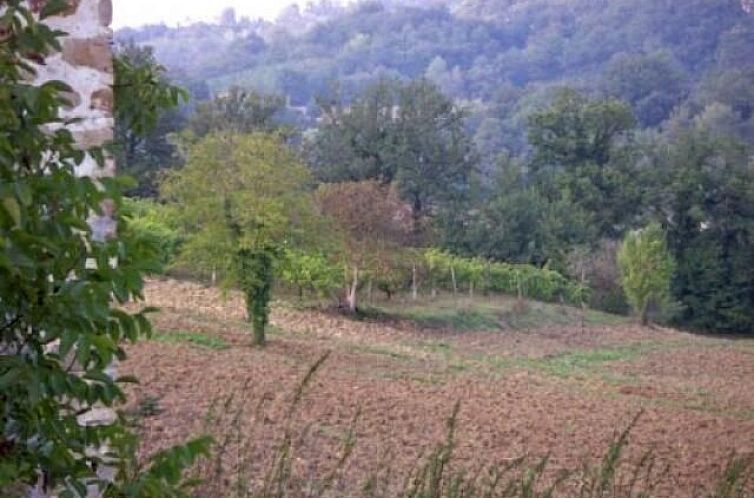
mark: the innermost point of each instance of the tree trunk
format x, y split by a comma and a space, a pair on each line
645, 315
416, 214
352, 292
370, 284
453, 278
583, 304
414, 285
471, 289
255, 271
255, 315
487, 279
260, 337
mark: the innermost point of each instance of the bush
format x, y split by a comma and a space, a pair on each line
309, 271
62, 320
153, 223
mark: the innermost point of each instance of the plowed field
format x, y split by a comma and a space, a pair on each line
562, 390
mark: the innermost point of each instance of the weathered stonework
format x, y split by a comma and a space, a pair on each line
91, 52
86, 65
105, 12
103, 100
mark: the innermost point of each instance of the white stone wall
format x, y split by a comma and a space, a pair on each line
86, 65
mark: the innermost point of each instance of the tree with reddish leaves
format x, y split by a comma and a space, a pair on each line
368, 216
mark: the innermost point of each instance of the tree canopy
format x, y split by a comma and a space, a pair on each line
243, 198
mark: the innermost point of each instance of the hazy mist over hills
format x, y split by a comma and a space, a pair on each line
500, 57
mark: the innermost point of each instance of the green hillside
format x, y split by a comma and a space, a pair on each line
501, 56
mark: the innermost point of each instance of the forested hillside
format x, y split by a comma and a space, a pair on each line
500, 56
533, 132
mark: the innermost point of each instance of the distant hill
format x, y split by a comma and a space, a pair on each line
499, 57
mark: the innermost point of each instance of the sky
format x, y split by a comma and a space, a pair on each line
172, 12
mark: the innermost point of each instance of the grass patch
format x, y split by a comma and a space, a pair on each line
570, 364
193, 338
447, 313
577, 363
481, 313
458, 319
537, 315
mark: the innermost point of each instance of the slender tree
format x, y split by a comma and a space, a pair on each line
646, 269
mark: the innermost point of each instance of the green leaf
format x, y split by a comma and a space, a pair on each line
9, 378
53, 8
67, 340
11, 206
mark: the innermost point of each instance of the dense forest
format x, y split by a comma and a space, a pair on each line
499, 58
537, 132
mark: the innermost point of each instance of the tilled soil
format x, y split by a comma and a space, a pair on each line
395, 386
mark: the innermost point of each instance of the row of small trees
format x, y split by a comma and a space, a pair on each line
646, 269
429, 272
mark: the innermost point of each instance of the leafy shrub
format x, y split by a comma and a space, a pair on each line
598, 267
61, 317
153, 223
309, 271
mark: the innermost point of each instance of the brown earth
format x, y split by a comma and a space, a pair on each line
565, 391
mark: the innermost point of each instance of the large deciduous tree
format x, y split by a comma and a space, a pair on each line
408, 134
582, 152
517, 223
356, 141
239, 111
707, 196
243, 197
435, 158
